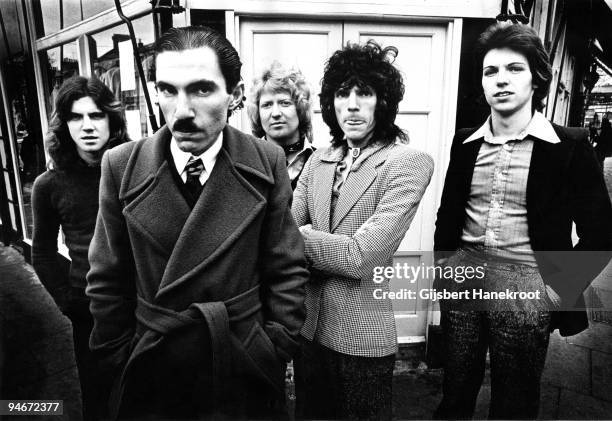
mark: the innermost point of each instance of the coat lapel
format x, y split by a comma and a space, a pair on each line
227, 206
223, 211
148, 187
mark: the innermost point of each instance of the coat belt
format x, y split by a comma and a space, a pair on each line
217, 316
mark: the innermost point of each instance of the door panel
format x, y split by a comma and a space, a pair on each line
421, 59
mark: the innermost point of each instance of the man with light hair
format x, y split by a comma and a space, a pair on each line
281, 112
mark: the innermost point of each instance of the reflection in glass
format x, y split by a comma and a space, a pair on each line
92, 8
73, 12
114, 64
58, 64
30, 157
59, 14
50, 12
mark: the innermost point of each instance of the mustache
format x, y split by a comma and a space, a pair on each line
186, 126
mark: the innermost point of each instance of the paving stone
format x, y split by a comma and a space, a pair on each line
576, 406
567, 366
602, 375
10, 256
598, 337
549, 402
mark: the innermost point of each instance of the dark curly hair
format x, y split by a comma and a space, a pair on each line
367, 65
61, 147
522, 39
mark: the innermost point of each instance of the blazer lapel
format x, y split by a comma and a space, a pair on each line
323, 183
360, 178
545, 172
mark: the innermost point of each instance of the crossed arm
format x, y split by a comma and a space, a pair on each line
375, 241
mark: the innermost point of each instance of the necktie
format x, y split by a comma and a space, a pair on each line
193, 169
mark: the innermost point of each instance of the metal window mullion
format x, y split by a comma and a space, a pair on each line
14, 152
104, 20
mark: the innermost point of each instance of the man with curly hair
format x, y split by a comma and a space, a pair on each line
354, 203
280, 112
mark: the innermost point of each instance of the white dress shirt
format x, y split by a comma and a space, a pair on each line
209, 158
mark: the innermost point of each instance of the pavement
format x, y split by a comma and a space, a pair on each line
577, 378
37, 360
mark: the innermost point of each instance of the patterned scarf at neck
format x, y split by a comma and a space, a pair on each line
294, 147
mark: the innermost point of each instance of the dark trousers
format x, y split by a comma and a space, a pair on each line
516, 333
333, 385
517, 346
94, 399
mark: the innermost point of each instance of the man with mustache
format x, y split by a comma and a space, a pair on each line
354, 202
197, 267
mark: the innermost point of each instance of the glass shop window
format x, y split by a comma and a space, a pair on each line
59, 63
59, 14
114, 63
30, 151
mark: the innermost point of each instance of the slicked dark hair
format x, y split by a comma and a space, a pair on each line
191, 37
62, 148
364, 65
522, 39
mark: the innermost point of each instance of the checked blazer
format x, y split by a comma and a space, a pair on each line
377, 202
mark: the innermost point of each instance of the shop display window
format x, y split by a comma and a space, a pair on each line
115, 65
59, 64
59, 14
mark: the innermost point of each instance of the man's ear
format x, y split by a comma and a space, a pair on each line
237, 97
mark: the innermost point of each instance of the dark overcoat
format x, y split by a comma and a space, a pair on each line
565, 185
196, 310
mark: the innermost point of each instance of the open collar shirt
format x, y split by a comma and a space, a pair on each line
496, 214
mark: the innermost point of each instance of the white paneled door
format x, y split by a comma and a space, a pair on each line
423, 59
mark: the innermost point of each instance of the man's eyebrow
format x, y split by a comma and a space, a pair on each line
191, 85
202, 82
162, 84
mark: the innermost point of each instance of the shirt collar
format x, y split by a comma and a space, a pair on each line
307, 146
538, 127
209, 157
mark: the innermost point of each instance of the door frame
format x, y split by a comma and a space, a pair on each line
448, 109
